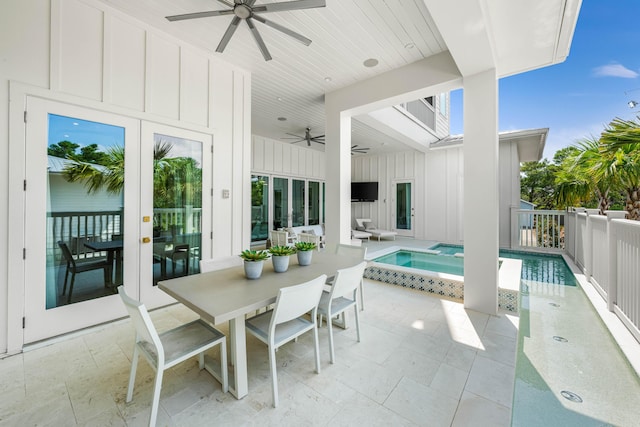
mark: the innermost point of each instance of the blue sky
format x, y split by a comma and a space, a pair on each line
577, 98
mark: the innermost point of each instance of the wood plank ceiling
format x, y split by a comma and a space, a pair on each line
293, 84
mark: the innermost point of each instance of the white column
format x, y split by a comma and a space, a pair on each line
338, 175
481, 192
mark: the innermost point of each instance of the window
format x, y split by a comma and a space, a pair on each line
443, 104
429, 100
259, 208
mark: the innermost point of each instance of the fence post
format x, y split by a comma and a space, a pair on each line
588, 259
514, 227
575, 233
612, 292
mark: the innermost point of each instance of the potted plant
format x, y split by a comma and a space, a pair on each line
253, 262
305, 251
280, 257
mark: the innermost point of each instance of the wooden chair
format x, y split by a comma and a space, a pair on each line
286, 322
169, 348
341, 297
74, 267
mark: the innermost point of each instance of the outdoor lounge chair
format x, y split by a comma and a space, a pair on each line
365, 224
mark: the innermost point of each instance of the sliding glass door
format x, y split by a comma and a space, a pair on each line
280, 203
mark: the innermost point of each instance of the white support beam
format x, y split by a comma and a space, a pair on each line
481, 204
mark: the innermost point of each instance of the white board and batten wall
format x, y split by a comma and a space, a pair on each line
273, 157
84, 53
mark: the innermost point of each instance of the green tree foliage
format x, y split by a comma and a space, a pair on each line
63, 149
537, 184
620, 150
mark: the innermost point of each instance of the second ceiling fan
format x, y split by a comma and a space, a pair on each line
320, 140
245, 9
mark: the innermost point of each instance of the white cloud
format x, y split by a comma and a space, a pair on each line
615, 70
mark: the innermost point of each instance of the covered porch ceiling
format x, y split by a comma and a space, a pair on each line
512, 36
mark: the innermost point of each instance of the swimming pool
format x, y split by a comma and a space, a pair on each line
539, 267
424, 261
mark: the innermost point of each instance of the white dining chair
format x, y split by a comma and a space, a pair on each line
220, 263
359, 252
286, 322
279, 238
169, 348
343, 295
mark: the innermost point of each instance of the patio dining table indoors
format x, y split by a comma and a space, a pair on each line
227, 296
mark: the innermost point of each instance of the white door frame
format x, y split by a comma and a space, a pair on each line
41, 323
394, 193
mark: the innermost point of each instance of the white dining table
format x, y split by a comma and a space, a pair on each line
227, 296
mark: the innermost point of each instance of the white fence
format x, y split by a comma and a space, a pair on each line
607, 249
537, 229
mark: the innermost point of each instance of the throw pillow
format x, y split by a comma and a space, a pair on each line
369, 225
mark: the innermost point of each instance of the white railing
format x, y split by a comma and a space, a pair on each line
607, 248
537, 229
624, 285
421, 111
599, 253
570, 234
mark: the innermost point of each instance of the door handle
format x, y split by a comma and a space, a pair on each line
146, 240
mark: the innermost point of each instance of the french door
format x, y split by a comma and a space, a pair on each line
110, 201
402, 197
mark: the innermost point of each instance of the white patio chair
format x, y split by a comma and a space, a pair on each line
285, 322
355, 251
341, 297
170, 348
279, 238
311, 238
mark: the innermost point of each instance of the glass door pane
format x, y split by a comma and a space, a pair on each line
314, 203
177, 206
403, 206
324, 188
297, 203
280, 203
85, 206
259, 208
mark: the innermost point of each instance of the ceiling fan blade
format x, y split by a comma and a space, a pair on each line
295, 142
258, 38
293, 134
299, 37
233, 26
290, 5
228, 3
199, 15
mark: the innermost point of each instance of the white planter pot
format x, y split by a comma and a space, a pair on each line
253, 269
280, 263
304, 257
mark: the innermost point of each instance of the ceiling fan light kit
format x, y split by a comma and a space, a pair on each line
245, 9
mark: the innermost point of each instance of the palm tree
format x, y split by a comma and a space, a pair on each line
575, 181
109, 175
620, 149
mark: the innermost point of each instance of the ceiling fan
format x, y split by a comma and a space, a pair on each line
307, 137
245, 9
320, 140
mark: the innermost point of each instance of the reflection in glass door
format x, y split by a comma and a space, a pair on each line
314, 203
259, 208
280, 203
403, 208
85, 206
177, 206
297, 203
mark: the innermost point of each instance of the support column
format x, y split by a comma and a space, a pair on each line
338, 175
481, 192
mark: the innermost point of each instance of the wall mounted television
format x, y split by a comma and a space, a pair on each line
364, 191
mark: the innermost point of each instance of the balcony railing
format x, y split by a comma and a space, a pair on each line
537, 229
421, 112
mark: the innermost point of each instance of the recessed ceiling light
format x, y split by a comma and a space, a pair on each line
327, 79
282, 119
371, 62
279, 99
409, 45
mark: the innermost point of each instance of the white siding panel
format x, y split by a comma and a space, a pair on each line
451, 182
78, 55
258, 154
194, 87
268, 154
277, 157
124, 64
286, 159
308, 162
163, 77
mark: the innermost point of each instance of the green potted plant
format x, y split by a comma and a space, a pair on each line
253, 262
305, 251
280, 257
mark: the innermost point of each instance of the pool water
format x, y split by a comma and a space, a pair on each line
537, 267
